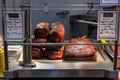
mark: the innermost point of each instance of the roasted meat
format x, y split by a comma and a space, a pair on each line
36, 53
57, 32
80, 51
39, 40
88, 58
53, 54
42, 30
55, 48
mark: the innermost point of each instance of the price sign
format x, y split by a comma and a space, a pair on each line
14, 26
107, 25
109, 2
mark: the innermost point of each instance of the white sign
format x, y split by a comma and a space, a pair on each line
107, 25
109, 1
14, 26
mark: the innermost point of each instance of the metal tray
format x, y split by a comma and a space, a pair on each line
103, 67
100, 58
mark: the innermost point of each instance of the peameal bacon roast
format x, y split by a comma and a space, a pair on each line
44, 33
39, 40
80, 52
36, 53
54, 54
42, 30
57, 32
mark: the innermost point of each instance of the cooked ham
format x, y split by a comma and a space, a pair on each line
42, 30
80, 50
57, 32
36, 53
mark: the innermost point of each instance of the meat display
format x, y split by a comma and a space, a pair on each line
36, 53
57, 32
80, 52
42, 30
43, 33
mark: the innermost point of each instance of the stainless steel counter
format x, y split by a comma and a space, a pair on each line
101, 68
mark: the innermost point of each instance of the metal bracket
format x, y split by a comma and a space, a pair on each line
31, 65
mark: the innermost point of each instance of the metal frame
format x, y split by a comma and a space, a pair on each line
27, 69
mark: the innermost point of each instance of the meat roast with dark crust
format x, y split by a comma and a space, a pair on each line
42, 30
81, 52
53, 54
36, 53
39, 40
57, 32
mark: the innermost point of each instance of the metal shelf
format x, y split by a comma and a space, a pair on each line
103, 69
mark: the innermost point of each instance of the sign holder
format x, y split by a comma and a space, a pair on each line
14, 26
109, 2
107, 25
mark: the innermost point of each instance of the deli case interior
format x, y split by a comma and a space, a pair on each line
57, 38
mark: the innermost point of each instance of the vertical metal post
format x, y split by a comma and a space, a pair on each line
27, 58
5, 42
6, 55
116, 47
27, 55
115, 55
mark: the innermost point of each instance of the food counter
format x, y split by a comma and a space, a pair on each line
102, 67
91, 60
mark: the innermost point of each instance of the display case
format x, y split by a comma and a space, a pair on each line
76, 34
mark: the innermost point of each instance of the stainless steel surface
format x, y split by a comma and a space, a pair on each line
70, 73
65, 69
98, 59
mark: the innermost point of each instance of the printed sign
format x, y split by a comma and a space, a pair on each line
107, 25
14, 26
109, 1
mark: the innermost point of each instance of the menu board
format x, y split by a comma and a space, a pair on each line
109, 2
14, 26
107, 25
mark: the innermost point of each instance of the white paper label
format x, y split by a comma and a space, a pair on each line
14, 28
107, 27
109, 1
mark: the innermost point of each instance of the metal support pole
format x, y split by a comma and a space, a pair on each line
116, 47
27, 58
6, 55
5, 42
115, 55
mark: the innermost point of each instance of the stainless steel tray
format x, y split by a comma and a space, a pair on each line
99, 59
103, 67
